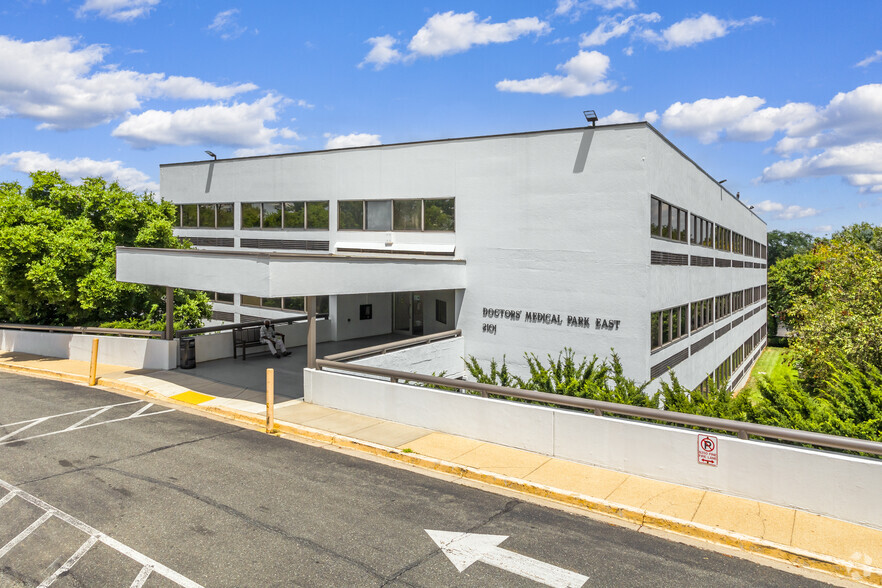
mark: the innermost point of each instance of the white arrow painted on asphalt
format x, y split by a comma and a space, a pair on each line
464, 549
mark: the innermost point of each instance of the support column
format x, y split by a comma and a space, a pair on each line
169, 313
310, 332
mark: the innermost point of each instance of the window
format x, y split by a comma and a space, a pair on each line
668, 221
365, 312
285, 215
438, 215
398, 215
293, 215
317, 215
379, 215
723, 306
441, 311
702, 232
207, 216
350, 215
407, 215
272, 215
702, 313
189, 216
220, 297
250, 215
225, 216
737, 300
723, 239
737, 243
293, 303
667, 326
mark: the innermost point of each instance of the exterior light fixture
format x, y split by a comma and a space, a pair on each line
590, 116
211, 154
722, 182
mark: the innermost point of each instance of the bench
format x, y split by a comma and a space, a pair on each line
249, 337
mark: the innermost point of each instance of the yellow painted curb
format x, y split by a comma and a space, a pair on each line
191, 397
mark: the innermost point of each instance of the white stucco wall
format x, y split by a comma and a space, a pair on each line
440, 358
123, 351
769, 472
550, 222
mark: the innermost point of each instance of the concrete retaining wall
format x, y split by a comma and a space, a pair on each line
826, 483
122, 351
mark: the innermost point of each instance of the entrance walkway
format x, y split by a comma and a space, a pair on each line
246, 380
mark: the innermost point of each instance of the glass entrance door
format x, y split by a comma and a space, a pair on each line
401, 313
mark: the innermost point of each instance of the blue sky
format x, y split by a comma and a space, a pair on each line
783, 99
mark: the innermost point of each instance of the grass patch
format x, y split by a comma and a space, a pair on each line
775, 362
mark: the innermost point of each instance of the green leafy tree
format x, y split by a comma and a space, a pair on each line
839, 311
784, 244
789, 280
58, 254
861, 233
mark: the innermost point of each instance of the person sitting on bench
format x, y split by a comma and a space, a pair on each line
268, 335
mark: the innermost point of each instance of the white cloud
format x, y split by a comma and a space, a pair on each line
823, 229
707, 118
786, 212
81, 167
226, 25
575, 8
691, 31
448, 33
843, 138
119, 10
584, 74
877, 56
239, 124
620, 116
382, 52
611, 28
54, 82
351, 140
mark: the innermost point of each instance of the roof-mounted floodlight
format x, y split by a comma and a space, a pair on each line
722, 182
590, 116
210, 154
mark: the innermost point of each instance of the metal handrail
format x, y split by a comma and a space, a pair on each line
404, 344
81, 330
742, 429
234, 326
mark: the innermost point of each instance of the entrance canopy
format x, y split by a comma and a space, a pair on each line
271, 275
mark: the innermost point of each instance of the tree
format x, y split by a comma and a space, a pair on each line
861, 233
837, 311
783, 245
58, 254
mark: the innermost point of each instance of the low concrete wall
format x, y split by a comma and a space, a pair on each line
123, 351
440, 357
219, 345
826, 483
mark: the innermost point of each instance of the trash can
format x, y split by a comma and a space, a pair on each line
188, 353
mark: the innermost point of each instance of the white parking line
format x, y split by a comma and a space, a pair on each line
23, 535
140, 413
148, 565
71, 561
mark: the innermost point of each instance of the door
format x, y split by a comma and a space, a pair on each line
416, 315
401, 313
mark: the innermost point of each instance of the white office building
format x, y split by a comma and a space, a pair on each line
598, 239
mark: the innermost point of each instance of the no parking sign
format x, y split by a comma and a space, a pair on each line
707, 450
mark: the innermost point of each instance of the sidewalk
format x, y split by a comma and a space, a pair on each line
800, 538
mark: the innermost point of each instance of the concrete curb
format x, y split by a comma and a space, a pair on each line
845, 569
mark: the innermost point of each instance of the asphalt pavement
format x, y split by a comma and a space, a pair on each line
177, 499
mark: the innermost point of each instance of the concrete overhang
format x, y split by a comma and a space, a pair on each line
271, 275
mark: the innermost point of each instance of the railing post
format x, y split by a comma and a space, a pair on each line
270, 400
169, 313
93, 365
310, 332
